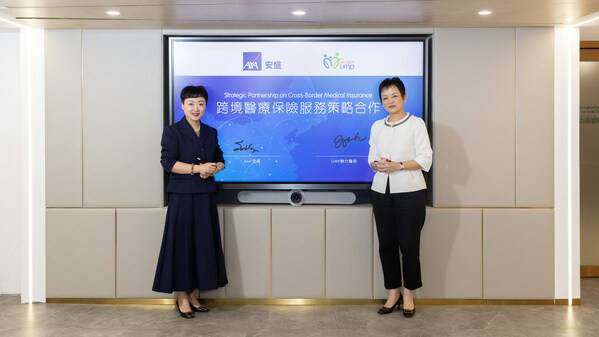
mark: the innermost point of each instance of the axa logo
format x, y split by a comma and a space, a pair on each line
252, 61
336, 61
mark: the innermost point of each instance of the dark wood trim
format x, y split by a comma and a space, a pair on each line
589, 271
589, 44
589, 51
589, 55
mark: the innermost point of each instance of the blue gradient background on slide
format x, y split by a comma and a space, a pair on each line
295, 147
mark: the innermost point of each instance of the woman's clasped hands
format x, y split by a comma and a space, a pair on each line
386, 165
207, 170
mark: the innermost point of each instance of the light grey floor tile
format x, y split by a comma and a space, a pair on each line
79, 320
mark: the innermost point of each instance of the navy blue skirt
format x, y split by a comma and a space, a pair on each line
191, 256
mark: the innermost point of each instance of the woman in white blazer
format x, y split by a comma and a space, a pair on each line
399, 151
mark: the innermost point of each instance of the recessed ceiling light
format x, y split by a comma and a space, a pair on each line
113, 12
299, 12
485, 12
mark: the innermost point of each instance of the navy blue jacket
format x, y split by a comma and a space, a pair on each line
180, 143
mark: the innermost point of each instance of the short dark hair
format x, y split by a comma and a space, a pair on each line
194, 91
393, 81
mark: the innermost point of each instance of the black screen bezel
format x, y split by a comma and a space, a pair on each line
344, 186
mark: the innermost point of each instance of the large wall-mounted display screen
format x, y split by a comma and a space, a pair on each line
295, 110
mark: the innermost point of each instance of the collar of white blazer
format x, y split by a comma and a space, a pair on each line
392, 125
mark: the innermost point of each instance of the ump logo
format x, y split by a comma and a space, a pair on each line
337, 62
252, 61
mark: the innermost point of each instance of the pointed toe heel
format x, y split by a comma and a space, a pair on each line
409, 312
201, 309
186, 315
384, 310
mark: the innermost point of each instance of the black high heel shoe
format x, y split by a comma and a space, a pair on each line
184, 314
409, 312
384, 310
201, 308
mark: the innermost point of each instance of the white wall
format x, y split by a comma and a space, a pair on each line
10, 170
483, 124
566, 165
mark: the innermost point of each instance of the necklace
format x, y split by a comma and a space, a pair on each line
396, 123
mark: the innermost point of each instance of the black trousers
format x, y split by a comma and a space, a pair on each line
399, 220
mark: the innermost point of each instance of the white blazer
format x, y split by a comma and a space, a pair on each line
404, 140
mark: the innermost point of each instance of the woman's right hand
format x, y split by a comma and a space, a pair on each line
374, 165
378, 165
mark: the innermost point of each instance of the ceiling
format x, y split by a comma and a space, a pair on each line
269, 14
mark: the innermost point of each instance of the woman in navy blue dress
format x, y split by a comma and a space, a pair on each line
191, 256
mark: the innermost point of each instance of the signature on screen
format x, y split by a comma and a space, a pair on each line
344, 141
245, 147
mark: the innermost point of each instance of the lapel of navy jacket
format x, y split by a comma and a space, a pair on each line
180, 143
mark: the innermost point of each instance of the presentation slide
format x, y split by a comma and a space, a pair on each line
295, 112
